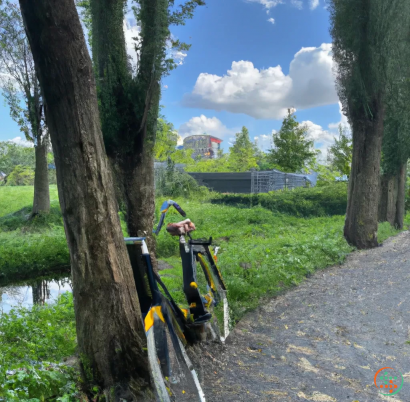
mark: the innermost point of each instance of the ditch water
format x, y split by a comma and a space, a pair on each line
22, 296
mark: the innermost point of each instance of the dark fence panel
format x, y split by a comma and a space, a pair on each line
225, 182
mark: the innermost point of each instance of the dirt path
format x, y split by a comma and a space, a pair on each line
324, 340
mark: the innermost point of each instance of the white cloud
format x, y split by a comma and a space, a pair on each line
323, 139
271, 20
267, 94
297, 3
132, 33
208, 125
265, 142
343, 121
268, 4
22, 141
314, 4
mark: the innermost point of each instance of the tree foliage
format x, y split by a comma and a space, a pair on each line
166, 141
340, 153
19, 82
366, 35
243, 153
12, 155
20, 176
292, 149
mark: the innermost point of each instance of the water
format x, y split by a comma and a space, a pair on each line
15, 296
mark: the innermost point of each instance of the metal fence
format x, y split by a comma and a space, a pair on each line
271, 180
245, 182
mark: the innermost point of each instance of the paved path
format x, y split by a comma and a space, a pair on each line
324, 340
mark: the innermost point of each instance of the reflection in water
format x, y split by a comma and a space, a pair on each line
23, 295
41, 292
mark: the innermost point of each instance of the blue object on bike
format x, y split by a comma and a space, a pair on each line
164, 209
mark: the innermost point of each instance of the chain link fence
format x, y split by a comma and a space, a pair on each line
244, 182
265, 181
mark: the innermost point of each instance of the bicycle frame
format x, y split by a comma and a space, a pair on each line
155, 320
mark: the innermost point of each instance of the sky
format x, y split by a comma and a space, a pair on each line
249, 62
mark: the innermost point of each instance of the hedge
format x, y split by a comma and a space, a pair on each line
304, 202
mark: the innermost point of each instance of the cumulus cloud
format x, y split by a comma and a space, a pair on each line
265, 142
22, 141
271, 20
322, 138
314, 4
343, 120
267, 94
132, 34
208, 125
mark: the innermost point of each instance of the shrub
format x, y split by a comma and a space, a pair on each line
305, 202
20, 176
172, 182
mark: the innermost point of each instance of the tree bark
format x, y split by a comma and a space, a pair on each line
41, 203
388, 198
362, 208
110, 330
401, 197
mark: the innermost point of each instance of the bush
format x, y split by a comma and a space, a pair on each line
34, 342
20, 176
305, 202
171, 182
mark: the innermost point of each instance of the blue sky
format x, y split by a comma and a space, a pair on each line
201, 95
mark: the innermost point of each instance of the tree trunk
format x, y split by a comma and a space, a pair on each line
41, 202
129, 104
139, 195
401, 196
383, 190
110, 331
362, 208
388, 198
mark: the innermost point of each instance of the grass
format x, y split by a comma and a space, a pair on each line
262, 253
33, 342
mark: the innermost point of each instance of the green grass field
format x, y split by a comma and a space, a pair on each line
262, 252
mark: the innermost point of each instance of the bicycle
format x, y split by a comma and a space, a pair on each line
162, 322
168, 326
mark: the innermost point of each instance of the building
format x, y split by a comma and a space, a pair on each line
204, 145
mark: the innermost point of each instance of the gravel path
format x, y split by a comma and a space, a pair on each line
324, 340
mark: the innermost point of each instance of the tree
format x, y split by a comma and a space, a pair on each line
340, 154
292, 149
129, 97
365, 38
110, 333
243, 153
12, 155
166, 140
23, 96
20, 176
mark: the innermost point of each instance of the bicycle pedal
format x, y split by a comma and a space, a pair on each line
202, 319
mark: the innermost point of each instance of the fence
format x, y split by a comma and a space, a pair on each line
245, 182
271, 180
